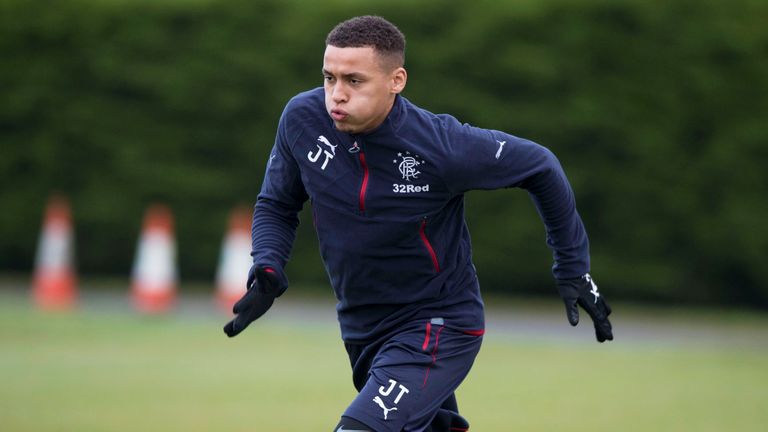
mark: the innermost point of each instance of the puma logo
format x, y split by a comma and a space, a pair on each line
593, 291
501, 147
325, 141
328, 154
381, 404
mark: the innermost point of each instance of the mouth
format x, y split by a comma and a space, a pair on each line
339, 115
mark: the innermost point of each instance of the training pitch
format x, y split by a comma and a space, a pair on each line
104, 368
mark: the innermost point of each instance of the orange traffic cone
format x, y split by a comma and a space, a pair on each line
234, 260
153, 285
54, 284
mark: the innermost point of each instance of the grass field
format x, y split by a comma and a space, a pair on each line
106, 369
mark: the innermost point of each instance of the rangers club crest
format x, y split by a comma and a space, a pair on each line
408, 165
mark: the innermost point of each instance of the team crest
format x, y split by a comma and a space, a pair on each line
408, 165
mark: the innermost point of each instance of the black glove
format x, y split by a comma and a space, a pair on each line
264, 285
583, 291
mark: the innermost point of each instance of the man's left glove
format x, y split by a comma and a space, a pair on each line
583, 291
264, 285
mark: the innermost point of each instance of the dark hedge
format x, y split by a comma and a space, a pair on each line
658, 111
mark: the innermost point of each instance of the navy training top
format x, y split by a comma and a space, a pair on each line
388, 208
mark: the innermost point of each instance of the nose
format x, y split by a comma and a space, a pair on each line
338, 93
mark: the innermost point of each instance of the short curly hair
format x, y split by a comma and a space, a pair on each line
370, 31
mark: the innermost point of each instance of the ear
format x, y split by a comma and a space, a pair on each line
398, 79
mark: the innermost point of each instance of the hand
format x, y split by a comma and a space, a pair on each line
264, 286
583, 291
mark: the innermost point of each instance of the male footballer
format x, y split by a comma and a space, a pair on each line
386, 180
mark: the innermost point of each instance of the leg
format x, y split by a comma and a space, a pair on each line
448, 418
347, 424
414, 373
450, 404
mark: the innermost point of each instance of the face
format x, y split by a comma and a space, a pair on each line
359, 90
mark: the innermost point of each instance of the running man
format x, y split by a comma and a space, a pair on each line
386, 180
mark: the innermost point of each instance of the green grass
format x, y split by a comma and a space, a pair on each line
94, 370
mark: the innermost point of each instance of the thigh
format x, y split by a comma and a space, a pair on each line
411, 376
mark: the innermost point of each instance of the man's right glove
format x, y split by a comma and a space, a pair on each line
583, 291
264, 285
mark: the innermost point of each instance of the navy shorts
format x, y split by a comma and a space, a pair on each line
409, 377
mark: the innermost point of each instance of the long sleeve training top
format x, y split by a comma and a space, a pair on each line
388, 208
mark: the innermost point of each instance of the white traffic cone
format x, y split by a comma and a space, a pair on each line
154, 277
54, 284
234, 260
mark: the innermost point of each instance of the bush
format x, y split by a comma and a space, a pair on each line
656, 109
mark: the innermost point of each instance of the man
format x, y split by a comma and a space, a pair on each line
386, 180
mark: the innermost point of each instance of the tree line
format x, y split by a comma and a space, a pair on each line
657, 111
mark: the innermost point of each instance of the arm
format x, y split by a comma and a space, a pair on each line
485, 159
275, 219
275, 216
